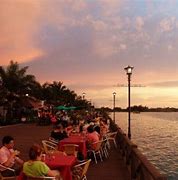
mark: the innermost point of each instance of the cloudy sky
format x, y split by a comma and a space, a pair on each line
87, 43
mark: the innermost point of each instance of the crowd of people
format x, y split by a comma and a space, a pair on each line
93, 126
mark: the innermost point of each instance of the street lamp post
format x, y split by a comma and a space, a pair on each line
128, 70
114, 101
83, 95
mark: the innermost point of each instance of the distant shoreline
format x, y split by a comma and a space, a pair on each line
138, 109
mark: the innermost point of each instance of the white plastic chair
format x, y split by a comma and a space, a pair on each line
49, 146
79, 171
104, 149
7, 168
96, 151
39, 177
111, 137
71, 149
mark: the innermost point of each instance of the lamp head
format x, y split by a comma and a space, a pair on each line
83, 95
128, 70
114, 93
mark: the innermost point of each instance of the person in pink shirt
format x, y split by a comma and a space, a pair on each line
9, 157
92, 137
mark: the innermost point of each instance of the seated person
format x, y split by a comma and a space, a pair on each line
97, 128
9, 157
92, 137
58, 133
81, 128
103, 127
69, 128
75, 129
85, 128
35, 166
53, 119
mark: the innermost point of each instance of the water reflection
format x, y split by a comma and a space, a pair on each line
156, 135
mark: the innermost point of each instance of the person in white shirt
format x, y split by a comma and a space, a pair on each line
9, 157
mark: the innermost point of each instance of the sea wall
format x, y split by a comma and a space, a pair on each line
139, 166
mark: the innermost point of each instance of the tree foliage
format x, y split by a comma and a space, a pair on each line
15, 83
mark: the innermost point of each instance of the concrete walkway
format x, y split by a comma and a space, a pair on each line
25, 135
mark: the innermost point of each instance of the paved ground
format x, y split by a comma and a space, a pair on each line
25, 135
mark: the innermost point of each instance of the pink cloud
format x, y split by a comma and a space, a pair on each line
18, 26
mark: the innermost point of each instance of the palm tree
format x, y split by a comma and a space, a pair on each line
15, 84
54, 93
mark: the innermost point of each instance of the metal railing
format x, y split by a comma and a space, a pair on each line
139, 166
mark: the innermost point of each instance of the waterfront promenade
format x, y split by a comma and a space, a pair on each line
25, 135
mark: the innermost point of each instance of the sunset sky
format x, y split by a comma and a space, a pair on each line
87, 43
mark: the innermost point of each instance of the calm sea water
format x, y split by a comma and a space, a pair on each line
156, 135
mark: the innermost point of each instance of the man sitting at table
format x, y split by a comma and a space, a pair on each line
58, 133
36, 167
9, 157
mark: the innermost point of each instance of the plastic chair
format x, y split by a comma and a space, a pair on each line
111, 137
49, 146
39, 177
79, 171
97, 150
53, 141
70, 149
104, 149
7, 168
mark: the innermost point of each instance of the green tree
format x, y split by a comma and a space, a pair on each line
15, 80
15, 83
54, 93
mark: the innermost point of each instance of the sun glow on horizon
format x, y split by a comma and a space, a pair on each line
159, 97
